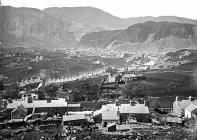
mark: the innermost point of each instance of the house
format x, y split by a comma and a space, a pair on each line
111, 127
134, 112
173, 120
74, 119
36, 106
179, 106
150, 63
110, 114
130, 77
25, 96
191, 111
112, 77
118, 113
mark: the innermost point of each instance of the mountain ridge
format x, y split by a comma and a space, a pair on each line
31, 27
157, 35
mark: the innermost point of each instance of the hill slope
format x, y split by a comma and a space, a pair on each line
149, 36
88, 19
29, 27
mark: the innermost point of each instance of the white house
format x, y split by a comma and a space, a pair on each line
121, 112
179, 106
191, 111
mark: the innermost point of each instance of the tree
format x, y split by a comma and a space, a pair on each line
41, 95
89, 91
12, 92
51, 90
111, 70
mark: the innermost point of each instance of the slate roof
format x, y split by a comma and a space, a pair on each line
74, 117
109, 111
191, 108
185, 103
110, 115
37, 104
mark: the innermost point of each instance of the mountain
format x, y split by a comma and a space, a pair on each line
88, 19
135, 20
86, 16
64, 27
149, 36
28, 27
98, 18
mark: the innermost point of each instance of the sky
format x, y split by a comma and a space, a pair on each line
120, 8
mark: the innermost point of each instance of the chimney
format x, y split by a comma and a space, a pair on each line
190, 98
118, 112
177, 98
29, 99
116, 103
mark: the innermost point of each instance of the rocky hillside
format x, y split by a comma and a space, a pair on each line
149, 36
27, 27
64, 27
88, 19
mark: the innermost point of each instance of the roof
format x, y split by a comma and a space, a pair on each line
130, 75
111, 124
136, 109
127, 108
74, 105
74, 117
37, 104
150, 63
173, 119
81, 112
191, 108
110, 115
185, 103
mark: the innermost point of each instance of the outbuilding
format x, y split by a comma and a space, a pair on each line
75, 119
191, 111
111, 127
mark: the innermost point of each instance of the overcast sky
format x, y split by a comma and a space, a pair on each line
120, 8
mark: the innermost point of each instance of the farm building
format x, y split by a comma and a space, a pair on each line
119, 113
191, 111
130, 77
75, 119
179, 106
59, 106
111, 127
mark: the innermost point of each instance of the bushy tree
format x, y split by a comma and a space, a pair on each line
51, 90
12, 92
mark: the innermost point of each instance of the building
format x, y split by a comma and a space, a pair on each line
173, 120
111, 127
130, 77
74, 119
191, 111
110, 114
38, 106
118, 113
112, 77
179, 106
59, 106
